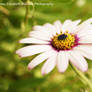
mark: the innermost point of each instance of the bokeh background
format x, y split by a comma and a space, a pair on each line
14, 75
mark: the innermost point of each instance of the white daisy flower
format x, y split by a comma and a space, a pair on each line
58, 44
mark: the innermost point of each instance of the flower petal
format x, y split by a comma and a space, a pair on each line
31, 50
51, 29
42, 29
38, 28
89, 21
84, 26
86, 39
84, 31
58, 26
74, 26
49, 64
78, 60
42, 35
40, 58
63, 61
33, 40
85, 50
70, 26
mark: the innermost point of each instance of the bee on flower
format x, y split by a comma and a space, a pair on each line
58, 44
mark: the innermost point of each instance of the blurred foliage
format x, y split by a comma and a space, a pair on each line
14, 75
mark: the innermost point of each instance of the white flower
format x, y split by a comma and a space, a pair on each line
58, 44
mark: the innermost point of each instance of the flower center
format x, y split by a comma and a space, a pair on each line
64, 41
62, 37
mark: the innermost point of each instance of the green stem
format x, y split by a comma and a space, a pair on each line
24, 23
4, 10
82, 77
27, 12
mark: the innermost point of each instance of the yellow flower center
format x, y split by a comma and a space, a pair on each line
63, 41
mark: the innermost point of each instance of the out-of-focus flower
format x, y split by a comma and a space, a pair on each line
80, 3
58, 44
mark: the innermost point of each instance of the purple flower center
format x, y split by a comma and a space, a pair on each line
62, 37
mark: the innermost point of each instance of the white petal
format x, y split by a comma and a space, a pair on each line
86, 39
40, 32
63, 61
31, 50
78, 60
42, 29
84, 31
42, 35
85, 50
49, 64
70, 26
84, 25
40, 58
89, 21
38, 28
74, 26
51, 29
33, 40
58, 26
65, 25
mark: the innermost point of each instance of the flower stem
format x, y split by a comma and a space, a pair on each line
27, 12
4, 10
82, 77
24, 23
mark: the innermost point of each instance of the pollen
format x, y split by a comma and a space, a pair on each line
64, 41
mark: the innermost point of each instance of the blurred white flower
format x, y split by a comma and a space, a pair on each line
58, 44
80, 3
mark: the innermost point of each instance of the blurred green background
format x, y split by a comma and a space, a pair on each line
14, 75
